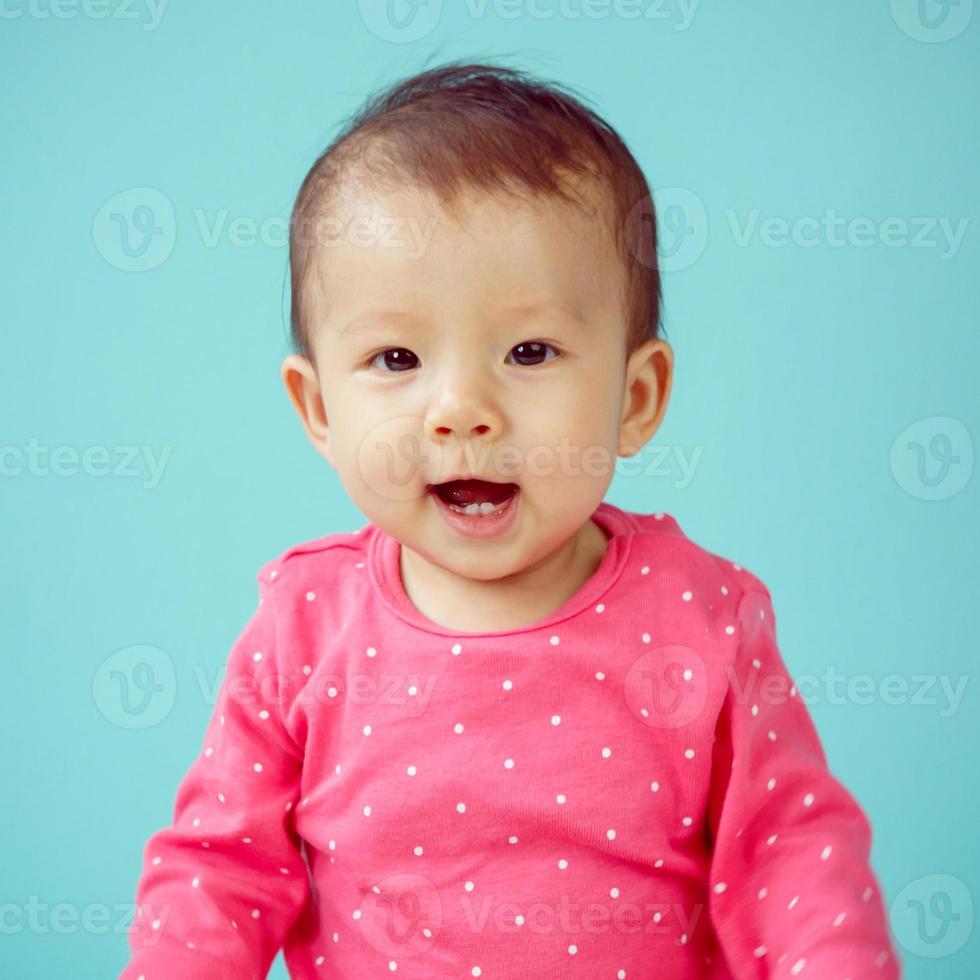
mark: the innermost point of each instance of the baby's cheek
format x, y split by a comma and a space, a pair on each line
390, 460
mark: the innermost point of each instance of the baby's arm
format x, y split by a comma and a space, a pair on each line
791, 891
221, 887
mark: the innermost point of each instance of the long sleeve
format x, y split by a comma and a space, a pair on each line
221, 887
791, 892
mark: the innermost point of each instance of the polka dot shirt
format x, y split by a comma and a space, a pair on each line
632, 787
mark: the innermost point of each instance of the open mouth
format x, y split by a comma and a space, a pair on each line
475, 498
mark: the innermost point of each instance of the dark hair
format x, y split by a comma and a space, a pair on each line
485, 126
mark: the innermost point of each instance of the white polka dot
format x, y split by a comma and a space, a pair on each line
686, 595
606, 752
599, 675
762, 893
611, 834
729, 630
195, 882
417, 850
411, 770
255, 913
507, 685
367, 729
468, 886
461, 808
688, 674
614, 892
560, 798
257, 767
655, 787
645, 637
759, 951
554, 641
645, 570
512, 839
600, 608
209, 751
573, 950
458, 728
771, 840
808, 799
825, 853
508, 763
257, 656
797, 968
307, 669
221, 797
563, 864
772, 736
771, 784
840, 918
263, 714
457, 649
793, 901
689, 753
371, 652
724, 590
687, 821
720, 887
556, 719
367, 811
310, 596
476, 971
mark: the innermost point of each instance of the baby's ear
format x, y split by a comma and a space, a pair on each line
303, 387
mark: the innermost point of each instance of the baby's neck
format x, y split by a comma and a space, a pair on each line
473, 605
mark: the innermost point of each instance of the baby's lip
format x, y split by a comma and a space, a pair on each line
471, 476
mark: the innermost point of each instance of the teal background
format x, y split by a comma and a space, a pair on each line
798, 371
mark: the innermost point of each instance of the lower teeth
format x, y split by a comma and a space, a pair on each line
484, 509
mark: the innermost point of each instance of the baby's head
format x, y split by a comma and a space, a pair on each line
475, 294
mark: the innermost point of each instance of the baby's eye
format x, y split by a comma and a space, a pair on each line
532, 352
396, 359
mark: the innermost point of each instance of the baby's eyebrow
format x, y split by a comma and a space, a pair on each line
563, 312
376, 318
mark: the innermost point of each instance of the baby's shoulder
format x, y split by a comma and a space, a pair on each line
316, 566
660, 542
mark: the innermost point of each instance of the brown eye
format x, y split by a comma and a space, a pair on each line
531, 353
396, 359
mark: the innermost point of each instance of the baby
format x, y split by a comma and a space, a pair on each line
506, 729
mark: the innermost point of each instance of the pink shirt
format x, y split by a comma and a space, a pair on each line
630, 788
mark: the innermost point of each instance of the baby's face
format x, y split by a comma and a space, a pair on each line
493, 347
